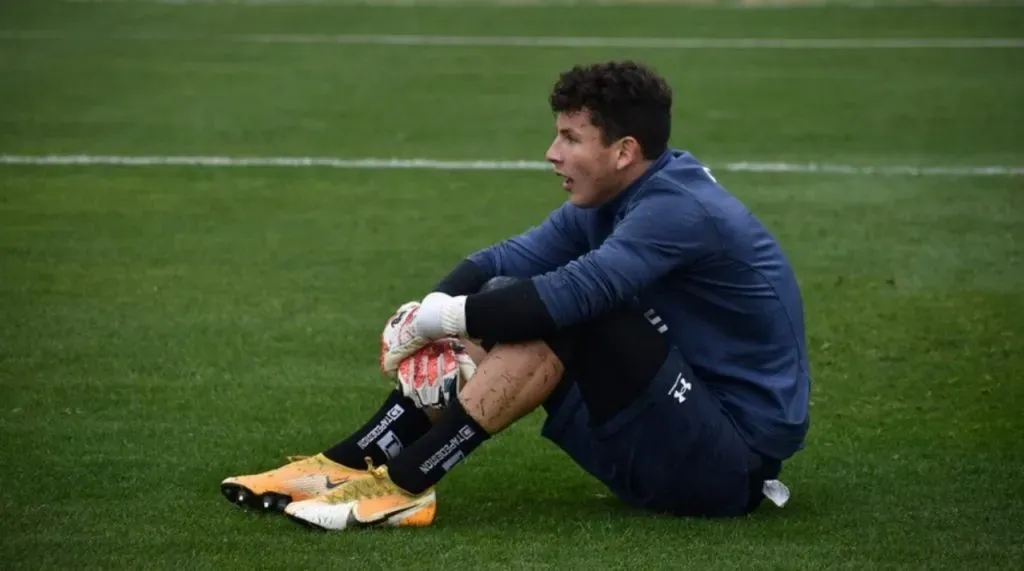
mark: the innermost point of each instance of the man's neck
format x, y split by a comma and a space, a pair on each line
629, 176
635, 171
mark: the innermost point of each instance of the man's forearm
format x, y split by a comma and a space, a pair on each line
464, 279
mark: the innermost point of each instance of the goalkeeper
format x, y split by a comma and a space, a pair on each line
652, 316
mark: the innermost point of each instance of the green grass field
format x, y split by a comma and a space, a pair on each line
164, 327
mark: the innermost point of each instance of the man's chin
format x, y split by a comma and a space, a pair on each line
580, 200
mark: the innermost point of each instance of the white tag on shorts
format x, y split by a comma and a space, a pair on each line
775, 491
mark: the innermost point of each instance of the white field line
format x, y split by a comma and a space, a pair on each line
738, 5
487, 165
544, 41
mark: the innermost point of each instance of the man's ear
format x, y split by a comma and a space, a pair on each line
627, 153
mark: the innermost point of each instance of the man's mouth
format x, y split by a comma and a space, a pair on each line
566, 181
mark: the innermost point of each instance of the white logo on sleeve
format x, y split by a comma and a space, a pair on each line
680, 388
654, 319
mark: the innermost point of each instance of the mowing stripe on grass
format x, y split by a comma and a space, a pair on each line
543, 41
485, 165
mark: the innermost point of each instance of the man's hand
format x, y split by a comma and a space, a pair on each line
416, 324
433, 376
399, 338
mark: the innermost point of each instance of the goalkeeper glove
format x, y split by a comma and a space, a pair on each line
433, 376
415, 324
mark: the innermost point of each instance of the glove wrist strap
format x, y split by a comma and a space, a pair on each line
453, 317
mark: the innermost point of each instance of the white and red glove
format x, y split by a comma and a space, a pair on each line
399, 339
433, 375
416, 324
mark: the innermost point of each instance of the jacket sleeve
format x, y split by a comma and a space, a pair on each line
664, 231
554, 243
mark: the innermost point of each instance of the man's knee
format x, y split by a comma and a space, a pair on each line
498, 282
562, 345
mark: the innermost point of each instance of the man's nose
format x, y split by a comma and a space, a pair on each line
552, 155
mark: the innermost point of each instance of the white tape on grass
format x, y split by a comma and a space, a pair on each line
634, 43
567, 42
485, 165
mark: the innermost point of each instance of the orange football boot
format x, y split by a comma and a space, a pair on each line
304, 477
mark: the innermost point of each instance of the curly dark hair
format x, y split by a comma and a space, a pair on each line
624, 98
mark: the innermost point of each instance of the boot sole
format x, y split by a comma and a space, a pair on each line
245, 498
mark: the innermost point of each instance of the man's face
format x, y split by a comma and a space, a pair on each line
588, 168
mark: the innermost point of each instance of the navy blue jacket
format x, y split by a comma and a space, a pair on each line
676, 242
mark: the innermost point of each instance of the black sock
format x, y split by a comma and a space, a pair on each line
396, 425
451, 439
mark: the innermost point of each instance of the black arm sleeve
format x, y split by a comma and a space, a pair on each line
509, 314
465, 279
